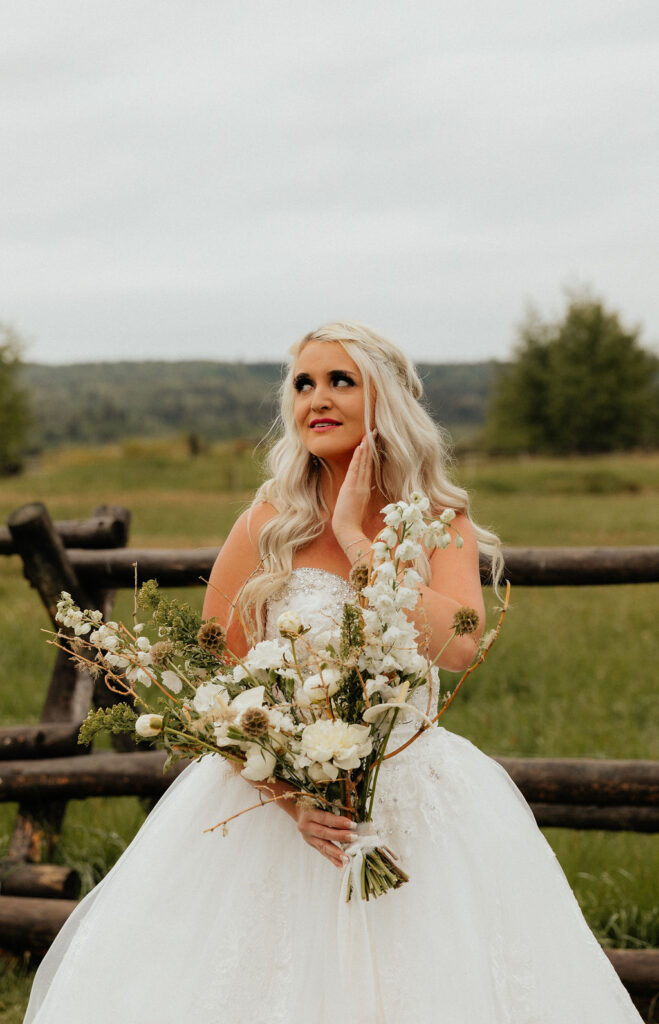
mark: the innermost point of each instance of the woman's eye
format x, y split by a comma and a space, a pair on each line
302, 384
341, 381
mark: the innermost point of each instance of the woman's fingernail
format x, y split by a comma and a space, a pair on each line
353, 826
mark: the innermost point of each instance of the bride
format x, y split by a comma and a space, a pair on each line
253, 927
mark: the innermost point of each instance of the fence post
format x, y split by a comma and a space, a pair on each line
48, 569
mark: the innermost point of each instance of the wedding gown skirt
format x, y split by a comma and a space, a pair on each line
253, 928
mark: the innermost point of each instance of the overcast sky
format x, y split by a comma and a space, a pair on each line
213, 179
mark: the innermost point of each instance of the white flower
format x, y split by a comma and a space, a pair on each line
265, 655
320, 686
448, 515
380, 684
335, 740
459, 541
148, 725
259, 765
442, 540
135, 674
171, 681
380, 551
326, 772
411, 578
388, 537
143, 643
408, 550
117, 661
209, 697
406, 597
251, 698
412, 515
393, 515
373, 713
289, 623
105, 637
420, 500
385, 573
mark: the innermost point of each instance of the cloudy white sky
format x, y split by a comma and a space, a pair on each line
212, 179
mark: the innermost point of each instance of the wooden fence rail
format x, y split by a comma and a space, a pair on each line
572, 793
42, 766
524, 567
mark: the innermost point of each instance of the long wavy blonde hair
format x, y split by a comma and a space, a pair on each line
410, 453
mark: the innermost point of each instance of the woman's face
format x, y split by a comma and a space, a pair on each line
329, 400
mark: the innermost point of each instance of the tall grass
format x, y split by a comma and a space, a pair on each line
573, 674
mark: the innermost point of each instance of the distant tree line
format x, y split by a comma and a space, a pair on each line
581, 383
96, 403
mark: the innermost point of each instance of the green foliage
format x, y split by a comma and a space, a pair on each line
14, 409
581, 384
116, 719
617, 920
176, 622
203, 401
352, 630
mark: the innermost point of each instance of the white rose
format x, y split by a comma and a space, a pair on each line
335, 740
148, 725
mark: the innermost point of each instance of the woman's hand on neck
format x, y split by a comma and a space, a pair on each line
351, 501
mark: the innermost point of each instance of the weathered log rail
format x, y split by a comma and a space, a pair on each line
524, 567
556, 789
41, 766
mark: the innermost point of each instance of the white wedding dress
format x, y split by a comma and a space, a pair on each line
252, 928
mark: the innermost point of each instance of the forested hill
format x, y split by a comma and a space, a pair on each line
91, 403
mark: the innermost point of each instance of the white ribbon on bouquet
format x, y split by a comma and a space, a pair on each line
357, 954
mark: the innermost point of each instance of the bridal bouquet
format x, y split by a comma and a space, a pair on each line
314, 711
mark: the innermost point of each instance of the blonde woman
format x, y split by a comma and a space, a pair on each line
487, 929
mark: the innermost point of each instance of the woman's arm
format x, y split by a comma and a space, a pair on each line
239, 557
454, 583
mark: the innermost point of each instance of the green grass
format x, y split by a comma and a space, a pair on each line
574, 673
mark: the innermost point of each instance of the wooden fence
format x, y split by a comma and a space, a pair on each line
42, 766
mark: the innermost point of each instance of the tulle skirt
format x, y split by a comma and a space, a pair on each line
253, 927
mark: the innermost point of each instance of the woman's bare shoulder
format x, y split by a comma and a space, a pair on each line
238, 558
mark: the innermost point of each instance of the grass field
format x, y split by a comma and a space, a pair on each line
574, 673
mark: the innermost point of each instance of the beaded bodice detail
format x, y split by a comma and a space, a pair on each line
318, 597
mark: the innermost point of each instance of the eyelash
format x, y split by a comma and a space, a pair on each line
304, 382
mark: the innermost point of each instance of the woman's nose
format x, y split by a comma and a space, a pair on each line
321, 398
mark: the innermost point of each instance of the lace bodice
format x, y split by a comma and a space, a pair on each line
318, 597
